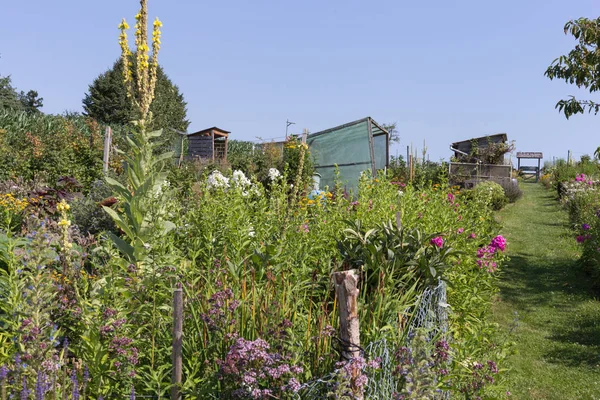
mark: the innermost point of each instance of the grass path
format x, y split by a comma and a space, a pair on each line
557, 350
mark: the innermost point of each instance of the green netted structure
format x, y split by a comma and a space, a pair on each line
354, 147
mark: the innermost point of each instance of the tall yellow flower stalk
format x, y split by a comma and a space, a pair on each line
141, 92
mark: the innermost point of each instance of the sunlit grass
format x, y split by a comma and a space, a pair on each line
557, 339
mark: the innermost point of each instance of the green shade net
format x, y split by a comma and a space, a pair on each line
348, 146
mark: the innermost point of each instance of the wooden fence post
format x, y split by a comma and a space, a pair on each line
177, 343
347, 292
107, 146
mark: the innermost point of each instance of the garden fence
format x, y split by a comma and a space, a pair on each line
431, 315
470, 173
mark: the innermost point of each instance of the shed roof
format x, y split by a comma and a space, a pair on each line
377, 127
498, 137
218, 131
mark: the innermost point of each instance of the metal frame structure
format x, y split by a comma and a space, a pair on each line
337, 159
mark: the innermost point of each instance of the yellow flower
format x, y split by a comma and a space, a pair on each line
157, 23
64, 222
63, 206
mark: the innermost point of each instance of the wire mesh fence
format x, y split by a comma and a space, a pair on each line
430, 316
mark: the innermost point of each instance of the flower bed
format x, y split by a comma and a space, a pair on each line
255, 270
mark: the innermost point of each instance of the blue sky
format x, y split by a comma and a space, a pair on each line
444, 71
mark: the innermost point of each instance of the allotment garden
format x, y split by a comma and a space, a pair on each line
97, 268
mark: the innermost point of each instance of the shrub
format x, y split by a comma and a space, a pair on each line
88, 214
512, 191
492, 193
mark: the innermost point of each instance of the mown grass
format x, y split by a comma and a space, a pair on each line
557, 335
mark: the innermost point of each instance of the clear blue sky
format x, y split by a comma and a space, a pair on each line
443, 70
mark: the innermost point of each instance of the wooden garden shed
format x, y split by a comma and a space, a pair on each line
210, 143
466, 146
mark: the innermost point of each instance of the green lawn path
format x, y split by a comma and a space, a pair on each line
558, 332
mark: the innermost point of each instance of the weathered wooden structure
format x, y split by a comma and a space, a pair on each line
530, 170
464, 148
480, 159
208, 144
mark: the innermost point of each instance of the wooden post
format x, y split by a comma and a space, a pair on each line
347, 292
107, 145
177, 344
304, 135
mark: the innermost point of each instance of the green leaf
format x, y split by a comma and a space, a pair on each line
119, 221
118, 187
123, 246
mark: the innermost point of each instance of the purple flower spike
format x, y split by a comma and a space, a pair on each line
24, 391
75, 395
132, 396
3, 372
40, 386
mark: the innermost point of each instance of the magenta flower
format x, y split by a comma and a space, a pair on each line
451, 198
460, 230
585, 227
580, 239
499, 243
472, 236
437, 241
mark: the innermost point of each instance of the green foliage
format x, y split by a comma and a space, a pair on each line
425, 173
11, 100
88, 214
491, 153
46, 147
391, 128
144, 217
492, 194
562, 172
107, 102
31, 102
579, 66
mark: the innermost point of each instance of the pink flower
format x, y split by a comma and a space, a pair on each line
437, 241
580, 178
583, 238
472, 236
499, 243
460, 230
450, 197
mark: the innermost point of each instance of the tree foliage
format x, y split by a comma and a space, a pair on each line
31, 102
108, 103
580, 67
11, 100
393, 132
